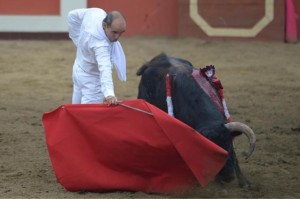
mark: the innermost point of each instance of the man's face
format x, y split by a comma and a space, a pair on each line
117, 28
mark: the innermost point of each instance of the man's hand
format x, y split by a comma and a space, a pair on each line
111, 100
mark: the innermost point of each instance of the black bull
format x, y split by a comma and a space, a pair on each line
194, 107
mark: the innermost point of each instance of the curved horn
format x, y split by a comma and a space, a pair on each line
240, 127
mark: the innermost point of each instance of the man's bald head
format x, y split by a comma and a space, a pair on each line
113, 15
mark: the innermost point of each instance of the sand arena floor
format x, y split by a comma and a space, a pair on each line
262, 89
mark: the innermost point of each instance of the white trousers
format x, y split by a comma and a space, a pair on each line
86, 87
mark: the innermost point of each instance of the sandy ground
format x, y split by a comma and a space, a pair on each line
262, 88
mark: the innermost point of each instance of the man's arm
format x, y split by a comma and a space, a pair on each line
103, 57
74, 20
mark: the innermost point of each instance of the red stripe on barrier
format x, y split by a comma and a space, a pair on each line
291, 23
30, 7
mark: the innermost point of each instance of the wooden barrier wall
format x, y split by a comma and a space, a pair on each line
151, 17
231, 19
205, 19
29, 7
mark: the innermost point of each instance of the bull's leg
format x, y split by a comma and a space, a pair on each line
227, 173
242, 180
221, 186
224, 140
231, 167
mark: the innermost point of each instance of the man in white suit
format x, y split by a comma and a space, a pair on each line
95, 33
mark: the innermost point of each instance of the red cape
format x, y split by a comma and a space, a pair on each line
96, 147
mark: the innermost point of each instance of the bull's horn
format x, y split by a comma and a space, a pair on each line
240, 127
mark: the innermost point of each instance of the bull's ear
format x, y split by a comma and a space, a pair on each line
141, 70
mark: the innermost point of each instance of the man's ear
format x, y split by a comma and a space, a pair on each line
104, 25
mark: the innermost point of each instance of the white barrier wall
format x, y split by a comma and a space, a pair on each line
40, 23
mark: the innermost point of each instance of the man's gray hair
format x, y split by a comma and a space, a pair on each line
111, 16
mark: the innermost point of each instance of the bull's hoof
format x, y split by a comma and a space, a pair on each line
245, 184
227, 178
223, 192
